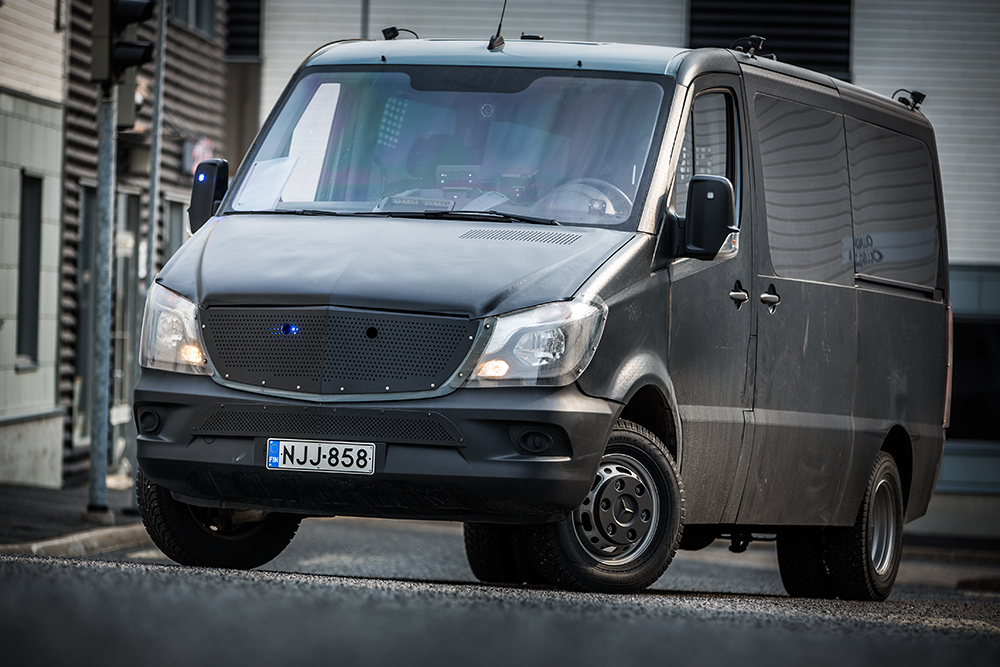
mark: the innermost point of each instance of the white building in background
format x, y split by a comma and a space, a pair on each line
950, 51
32, 88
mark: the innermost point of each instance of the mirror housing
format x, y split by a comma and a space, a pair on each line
211, 180
709, 230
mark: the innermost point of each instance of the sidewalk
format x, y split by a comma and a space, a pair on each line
51, 522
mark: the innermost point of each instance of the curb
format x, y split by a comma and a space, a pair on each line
87, 543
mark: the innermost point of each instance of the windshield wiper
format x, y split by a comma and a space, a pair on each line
288, 211
481, 216
432, 214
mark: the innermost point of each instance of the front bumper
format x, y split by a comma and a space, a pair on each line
468, 456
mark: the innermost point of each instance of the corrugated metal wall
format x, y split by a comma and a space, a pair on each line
295, 28
194, 106
950, 51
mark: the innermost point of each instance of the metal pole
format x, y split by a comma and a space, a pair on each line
153, 217
106, 120
154, 151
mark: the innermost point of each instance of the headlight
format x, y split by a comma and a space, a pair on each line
549, 345
171, 338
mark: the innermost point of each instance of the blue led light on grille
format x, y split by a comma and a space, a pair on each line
288, 329
201, 177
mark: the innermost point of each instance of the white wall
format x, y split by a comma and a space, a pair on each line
292, 29
950, 51
32, 53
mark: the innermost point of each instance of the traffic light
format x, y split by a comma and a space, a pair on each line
113, 51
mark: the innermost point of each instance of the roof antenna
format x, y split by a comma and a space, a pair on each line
496, 41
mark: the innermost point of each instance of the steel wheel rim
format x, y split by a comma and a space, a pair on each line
623, 497
882, 533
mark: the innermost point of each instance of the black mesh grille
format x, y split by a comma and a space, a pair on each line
335, 351
419, 428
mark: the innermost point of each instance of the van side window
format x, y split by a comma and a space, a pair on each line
806, 191
706, 144
895, 207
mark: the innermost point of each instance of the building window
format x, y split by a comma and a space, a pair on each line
29, 269
815, 35
174, 229
195, 14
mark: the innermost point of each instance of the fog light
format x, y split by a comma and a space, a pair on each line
149, 421
535, 442
495, 368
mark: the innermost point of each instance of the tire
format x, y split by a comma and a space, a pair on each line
637, 494
207, 537
800, 562
497, 554
863, 559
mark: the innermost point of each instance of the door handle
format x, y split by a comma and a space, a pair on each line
739, 295
771, 298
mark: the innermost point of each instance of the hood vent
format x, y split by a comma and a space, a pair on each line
526, 235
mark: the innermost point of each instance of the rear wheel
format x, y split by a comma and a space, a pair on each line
800, 562
863, 559
627, 530
210, 537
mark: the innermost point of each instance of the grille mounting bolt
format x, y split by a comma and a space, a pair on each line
262, 382
227, 376
341, 389
433, 386
298, 386
387, 389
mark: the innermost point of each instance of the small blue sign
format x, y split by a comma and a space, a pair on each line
272, 453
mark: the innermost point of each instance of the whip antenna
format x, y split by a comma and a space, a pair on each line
496, 41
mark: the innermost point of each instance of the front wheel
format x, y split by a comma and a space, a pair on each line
627, 530
208, 537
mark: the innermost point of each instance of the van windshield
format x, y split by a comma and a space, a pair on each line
557, 145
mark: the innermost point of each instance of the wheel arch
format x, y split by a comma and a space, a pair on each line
649, 406
897, 444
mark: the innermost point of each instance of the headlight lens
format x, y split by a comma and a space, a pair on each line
171, 338
547, 345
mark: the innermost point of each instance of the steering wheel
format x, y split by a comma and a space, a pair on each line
620, 202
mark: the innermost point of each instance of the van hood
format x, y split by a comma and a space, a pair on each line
452, 267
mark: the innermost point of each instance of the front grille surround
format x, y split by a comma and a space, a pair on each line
333, 351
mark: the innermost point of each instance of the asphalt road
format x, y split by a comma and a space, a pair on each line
354, 591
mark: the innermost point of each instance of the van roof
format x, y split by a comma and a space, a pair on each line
532, 53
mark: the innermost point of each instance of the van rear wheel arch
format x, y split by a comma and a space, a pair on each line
897, 444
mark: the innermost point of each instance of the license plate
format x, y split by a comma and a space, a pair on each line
344, 457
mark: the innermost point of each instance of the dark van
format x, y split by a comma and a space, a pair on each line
598, 302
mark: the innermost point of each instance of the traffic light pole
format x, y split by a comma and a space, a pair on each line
106, 149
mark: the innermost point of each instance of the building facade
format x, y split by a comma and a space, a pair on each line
193, 129
32, 82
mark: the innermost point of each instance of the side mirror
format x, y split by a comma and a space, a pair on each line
710, 229
211, 180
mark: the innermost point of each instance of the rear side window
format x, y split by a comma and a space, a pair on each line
895, 206
806, 191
